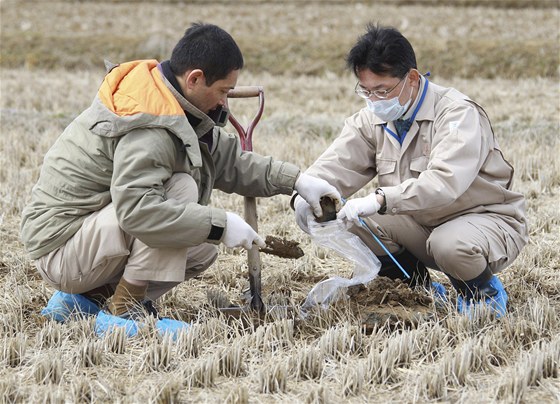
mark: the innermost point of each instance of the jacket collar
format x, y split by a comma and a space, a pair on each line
205, 122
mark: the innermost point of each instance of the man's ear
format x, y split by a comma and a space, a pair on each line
194, 78
414, 76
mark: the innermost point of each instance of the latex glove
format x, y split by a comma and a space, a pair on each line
312, 189
359, 207
238, 233
303, 210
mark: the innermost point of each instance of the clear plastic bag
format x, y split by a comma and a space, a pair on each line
335, 236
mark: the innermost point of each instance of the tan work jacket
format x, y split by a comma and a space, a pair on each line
448, 165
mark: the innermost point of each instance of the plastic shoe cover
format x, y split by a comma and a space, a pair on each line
170, 326
439, 292
62, 306
497, 302
105, 322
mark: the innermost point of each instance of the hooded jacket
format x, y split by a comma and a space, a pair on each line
123, 148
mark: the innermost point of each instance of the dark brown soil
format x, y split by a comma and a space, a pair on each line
329, 210
389, 302
282, 248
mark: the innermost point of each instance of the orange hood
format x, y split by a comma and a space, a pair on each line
137, 87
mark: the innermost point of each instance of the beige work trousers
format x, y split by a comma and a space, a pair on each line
462, 247
100, 253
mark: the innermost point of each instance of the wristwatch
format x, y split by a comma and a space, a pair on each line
383, 209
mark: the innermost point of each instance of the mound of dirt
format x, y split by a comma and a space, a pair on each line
389, 302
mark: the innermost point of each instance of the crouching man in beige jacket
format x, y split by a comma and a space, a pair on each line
445, 198
120, 214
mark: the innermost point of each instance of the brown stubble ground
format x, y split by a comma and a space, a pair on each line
326, 357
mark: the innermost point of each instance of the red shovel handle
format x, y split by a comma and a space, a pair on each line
246, 136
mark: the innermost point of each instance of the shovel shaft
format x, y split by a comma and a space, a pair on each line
253, 257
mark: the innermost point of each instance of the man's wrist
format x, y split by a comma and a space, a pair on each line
382, 200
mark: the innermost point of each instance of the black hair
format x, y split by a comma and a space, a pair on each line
209, 48
384, 51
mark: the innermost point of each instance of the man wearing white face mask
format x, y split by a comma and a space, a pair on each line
444, 199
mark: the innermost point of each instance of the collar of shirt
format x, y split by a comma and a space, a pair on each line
416, 101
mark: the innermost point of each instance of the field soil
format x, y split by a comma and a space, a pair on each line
390, 301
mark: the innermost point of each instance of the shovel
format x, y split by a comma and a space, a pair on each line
274, 245
250, 203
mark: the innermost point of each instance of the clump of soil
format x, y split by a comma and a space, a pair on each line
328, 208
389, 302
282, 248
385, 291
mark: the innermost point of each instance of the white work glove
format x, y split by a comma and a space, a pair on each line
238, 233
303, 211
359, 207
312, 189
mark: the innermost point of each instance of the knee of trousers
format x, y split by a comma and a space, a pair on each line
182, 187
454, 255
203, 259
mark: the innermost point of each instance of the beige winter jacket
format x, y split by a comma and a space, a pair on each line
124, 148
449, 164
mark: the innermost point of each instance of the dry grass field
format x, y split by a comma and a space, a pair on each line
503, 54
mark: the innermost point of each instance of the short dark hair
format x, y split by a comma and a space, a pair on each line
209, 48
384, 51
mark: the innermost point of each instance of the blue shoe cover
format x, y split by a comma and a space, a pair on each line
498, 302
439, 292
169, 326
105, 322
62, 306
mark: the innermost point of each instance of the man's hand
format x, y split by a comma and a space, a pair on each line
303, 210
312, 189
359, 207
238, 233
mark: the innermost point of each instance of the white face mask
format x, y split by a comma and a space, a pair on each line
391, 109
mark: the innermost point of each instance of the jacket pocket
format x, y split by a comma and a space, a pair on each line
419, 164
385, 167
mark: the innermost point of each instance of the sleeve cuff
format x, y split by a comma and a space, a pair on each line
217, 225
392, 200
286, 177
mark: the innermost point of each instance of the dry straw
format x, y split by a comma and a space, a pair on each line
158, 356
230, 360
202, 373
532, 368
90, 353
13, 350
272, 377
116, 340
81, 390
48, 368
353, 378
238, 395
309, 363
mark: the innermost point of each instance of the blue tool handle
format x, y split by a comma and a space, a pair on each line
384, 248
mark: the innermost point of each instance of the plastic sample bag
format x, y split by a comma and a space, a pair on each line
335, 236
